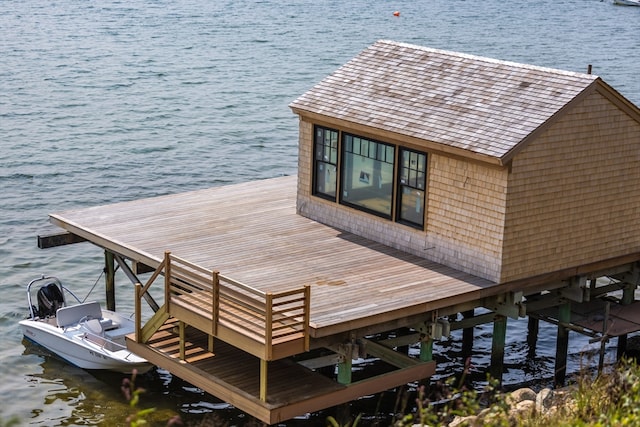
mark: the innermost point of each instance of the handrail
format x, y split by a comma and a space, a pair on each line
268, 317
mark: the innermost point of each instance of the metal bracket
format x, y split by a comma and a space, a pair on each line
578, 289
509, 304
630, 277
435, 329
353, 350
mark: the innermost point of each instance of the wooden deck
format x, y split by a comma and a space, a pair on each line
251, 233
234, 376
225, 324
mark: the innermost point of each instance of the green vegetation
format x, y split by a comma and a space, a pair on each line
10, 422
608, 399
132, 394
332, 422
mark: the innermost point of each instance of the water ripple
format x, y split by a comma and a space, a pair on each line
117, 100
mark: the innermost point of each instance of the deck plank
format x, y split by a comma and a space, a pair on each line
234, 376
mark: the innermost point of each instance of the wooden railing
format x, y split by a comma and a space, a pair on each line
271, 318
233, 311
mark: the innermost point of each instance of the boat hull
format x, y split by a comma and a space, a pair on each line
627, 2
81, 349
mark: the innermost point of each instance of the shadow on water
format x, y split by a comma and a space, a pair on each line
74, 396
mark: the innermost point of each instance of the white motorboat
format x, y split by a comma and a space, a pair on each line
627, 2
83, 334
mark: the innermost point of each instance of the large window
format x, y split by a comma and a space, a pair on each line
411, 187
372, 176
326, 162
367, 174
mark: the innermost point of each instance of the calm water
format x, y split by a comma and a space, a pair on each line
118, 100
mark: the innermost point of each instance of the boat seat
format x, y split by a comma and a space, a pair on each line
93, 326
67, 316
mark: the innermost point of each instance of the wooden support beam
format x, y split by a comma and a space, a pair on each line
389, 355
181, 330
52, 240
110, 280
562, 344
134, 280
497, 347
470, 322
264, 371
401, 340
322, 361
140, 268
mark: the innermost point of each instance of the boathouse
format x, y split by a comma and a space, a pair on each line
505, 171
430, 184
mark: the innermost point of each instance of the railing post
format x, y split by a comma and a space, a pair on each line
215, 301
167, 280
307, 315
137, 311
268, 325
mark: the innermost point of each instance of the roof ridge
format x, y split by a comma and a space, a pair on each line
487, 59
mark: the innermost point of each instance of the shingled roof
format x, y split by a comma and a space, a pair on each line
482, 106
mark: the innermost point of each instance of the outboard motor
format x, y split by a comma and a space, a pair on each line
50, 299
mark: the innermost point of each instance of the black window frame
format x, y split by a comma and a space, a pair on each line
356, 146
413, 179
320, 163
403, 178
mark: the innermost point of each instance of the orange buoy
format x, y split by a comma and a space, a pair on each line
396, 13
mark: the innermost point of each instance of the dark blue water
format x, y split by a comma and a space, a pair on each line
118, 100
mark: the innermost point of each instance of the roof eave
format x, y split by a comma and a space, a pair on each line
618, 100
390, 136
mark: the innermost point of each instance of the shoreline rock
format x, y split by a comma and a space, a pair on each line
521, 403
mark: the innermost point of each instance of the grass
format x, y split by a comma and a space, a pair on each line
611, 398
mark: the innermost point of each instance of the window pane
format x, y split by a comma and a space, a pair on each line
411, 190
326, 179
326, 160
412, 205
348, 143
334, 156
367, 181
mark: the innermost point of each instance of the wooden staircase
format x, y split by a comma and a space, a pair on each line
270, 326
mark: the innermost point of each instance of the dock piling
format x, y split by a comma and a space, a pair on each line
497, 347
467, 335
110, 280
562, 343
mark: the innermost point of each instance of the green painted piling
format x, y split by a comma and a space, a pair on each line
497, 347
344, 372
426, 350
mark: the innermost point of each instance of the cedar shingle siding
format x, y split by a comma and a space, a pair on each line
530, 169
